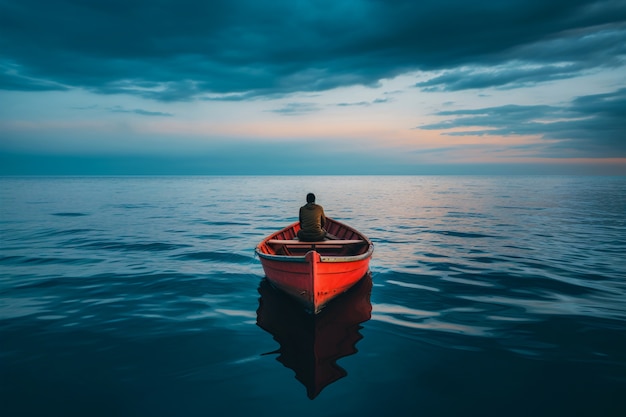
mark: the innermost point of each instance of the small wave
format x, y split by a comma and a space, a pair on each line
133, 206
40, 260
557, 305
51, 317
70, 214
467, 281
486, 259
215, 236
36, 282
131, 247
434, 255
63, 232
12, 308
223, 223
460, 234
422, 320
464, 215
237, 313
414, 286
10, 260
519, 208
215, 256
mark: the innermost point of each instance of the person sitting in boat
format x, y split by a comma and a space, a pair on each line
312, 221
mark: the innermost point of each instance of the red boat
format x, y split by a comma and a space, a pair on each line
315, 272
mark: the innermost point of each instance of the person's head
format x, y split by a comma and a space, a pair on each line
310, 198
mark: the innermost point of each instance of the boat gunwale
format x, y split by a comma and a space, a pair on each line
281, 258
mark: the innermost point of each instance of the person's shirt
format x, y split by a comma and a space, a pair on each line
312, 220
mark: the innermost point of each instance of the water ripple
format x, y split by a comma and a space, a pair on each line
135, 246
422, 320
216, 256
465, 235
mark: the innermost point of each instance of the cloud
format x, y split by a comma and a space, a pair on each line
239, 49
512, 75
141, 112
568, 55
357, 104
365, 103
122, 109
589, 126
298, 108
12, 79
292, 109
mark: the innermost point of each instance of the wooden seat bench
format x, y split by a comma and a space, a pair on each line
331, 242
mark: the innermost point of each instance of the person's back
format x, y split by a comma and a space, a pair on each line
312, 221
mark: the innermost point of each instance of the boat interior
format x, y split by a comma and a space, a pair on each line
345, 241
336, 247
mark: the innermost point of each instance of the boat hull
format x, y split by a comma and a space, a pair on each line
321, 273
313, 281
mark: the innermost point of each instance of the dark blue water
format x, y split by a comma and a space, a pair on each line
488, 296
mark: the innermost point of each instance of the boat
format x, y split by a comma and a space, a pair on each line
311, 345
315, 272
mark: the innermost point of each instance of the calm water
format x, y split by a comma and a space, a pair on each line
499, 296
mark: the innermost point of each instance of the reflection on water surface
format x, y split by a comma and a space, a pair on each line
311, 345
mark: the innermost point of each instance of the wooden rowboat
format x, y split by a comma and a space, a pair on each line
315, 272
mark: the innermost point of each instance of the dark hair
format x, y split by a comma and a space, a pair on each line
310, 198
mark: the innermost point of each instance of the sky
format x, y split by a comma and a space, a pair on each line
309, 87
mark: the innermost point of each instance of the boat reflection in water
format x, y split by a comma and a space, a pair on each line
312, 344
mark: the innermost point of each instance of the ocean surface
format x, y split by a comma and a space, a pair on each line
142, 296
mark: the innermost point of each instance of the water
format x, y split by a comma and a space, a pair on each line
488, 296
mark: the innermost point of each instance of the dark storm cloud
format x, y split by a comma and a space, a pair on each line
590, 126
12, 79
185, 49
564, 56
